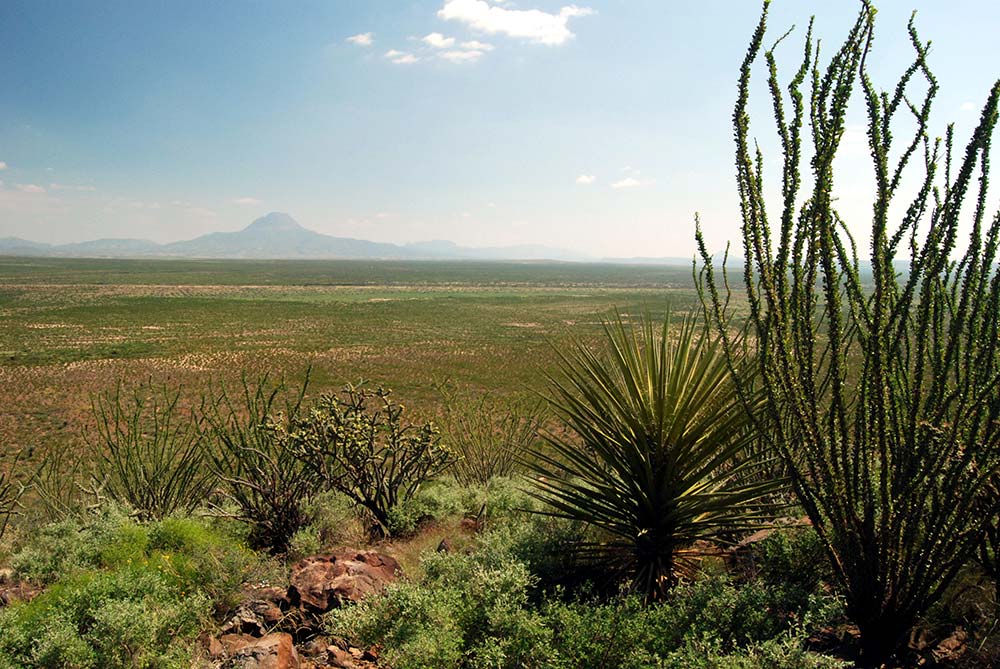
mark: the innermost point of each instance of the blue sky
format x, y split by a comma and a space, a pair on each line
600, 127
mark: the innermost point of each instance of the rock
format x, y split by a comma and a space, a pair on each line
214, 647
273, 651
261, 612
953, 647
18, 591
340, 659
233, 643
316, 647
324, 582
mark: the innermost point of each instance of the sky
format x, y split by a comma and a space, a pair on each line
599, 127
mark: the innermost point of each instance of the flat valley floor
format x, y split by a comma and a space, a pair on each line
71, 328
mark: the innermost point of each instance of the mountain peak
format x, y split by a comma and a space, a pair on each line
276, 221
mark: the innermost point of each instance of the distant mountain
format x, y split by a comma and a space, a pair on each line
279, 236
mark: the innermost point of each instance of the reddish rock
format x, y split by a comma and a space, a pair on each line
340, 659
233, 643
324, 582
214, 648
273, 651
18, 591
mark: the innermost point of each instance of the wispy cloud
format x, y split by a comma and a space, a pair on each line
533, 25
80, 189
586, 179
461, 56
401, 57
30, 188
248, 201
362, 39
631, 182
476, 45
968, 106
438, 41
3, 165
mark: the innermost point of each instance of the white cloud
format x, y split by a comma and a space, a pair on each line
81, 189
531, 24
362, 39
475, 45
30, 188
438, 41
630, 182
586, 179
3, 165
968, 106
400, 57
462, 56
250, 201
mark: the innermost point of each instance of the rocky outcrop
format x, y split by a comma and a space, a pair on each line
272, 651
324, 582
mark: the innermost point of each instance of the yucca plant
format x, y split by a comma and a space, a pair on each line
655, 456
883, 392
147, 450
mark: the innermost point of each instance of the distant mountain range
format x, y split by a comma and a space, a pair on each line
279, 236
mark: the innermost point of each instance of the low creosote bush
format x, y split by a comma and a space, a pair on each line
124, 618
486, 609
120, 593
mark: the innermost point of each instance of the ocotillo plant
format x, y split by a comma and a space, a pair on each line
882, 394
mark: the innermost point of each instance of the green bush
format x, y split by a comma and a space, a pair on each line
125, 618
121, 593
485, 609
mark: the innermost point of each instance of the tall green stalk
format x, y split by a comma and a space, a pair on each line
882, 394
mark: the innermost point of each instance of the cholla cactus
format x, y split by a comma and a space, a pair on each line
359, 444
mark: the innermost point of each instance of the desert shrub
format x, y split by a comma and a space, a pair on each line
124, 618
332, 519
488, 436
655, 451
794, 558
881, 384
485, 609
260, 469
186, 552
470, 610
147, 451
358, 443
433, 501
121, 593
